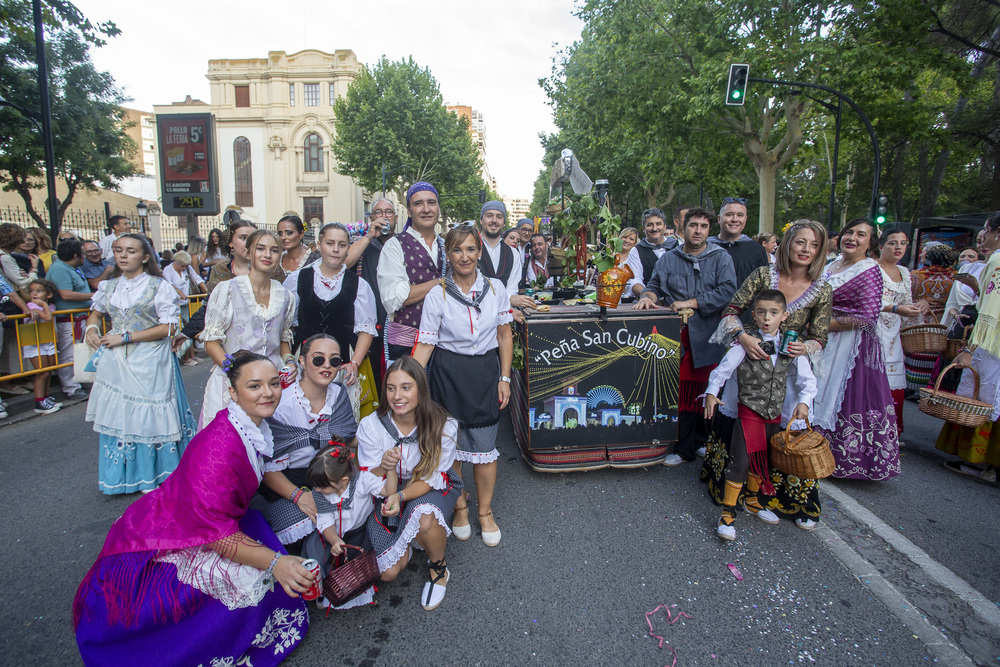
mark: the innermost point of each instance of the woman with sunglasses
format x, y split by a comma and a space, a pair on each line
313, 411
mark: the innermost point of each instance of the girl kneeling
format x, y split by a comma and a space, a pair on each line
414, 435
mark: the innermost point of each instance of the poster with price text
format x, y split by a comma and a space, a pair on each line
187, 164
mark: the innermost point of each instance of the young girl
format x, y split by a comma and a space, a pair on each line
138, 403
251, 312
343, 496
335, 301
313, 410
466, 325
414, 435
42, 356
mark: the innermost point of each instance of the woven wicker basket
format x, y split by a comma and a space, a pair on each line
805, 454
956, 409
924, 339
955, 345
352, 578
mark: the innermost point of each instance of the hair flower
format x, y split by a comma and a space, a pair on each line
227, 363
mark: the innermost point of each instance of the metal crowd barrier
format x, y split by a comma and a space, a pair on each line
39, 333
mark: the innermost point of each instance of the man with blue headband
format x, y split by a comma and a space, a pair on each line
411, 263
499, 260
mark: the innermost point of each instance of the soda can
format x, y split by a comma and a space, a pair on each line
316, 589
786, 338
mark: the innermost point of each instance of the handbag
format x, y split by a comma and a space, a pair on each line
85, 361
352, 578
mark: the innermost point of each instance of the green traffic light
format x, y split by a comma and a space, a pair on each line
880, 219
736, 94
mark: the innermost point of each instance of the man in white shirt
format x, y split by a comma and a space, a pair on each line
538, 264
642, 257
411, 263
181, 276
525, 230
498, 260
119, 225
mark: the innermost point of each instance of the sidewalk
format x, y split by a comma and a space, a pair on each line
20, 408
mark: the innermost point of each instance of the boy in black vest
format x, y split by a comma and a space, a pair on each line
761, 396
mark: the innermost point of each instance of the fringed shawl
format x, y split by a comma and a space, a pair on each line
201, 502
340, 425
986, 334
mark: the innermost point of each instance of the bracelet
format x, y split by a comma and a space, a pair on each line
894, 306
127, 337
401, 498
89, 327
274, 561
298, 493
288, 359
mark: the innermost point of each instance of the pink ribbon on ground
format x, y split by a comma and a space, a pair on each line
670, 621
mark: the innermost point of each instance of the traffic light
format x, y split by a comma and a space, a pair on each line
736, 92
882, 209
482, 196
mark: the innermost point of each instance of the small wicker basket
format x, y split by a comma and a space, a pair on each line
955, 345
924, 339
352, 578
805, 454
956, 409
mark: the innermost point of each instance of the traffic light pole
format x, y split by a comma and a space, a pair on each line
861, 115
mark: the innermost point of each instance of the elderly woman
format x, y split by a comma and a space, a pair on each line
797, 273
931, 284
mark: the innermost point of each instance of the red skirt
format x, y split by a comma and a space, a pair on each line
692, 382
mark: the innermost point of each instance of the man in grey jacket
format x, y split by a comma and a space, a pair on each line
699, 276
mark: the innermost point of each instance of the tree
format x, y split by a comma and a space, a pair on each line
393, 115
16, 19
88, 125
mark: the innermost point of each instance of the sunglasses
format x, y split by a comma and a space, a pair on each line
319, 360
735, 200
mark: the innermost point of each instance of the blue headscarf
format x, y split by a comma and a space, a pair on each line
419, 186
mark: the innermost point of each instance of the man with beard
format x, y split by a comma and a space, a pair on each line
697, 275
498, 259
410, 265
747, 254
642, 258
537, 269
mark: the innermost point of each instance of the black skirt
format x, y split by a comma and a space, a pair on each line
466, 385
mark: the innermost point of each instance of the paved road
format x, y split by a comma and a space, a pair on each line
900, 572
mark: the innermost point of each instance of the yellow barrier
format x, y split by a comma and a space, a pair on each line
35, 333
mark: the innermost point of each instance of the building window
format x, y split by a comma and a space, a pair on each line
313, 153
242, 96
311, 94
333, 94
312, 207
291, 94
244, 173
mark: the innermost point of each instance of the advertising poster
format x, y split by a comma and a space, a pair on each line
594, 383
187, 173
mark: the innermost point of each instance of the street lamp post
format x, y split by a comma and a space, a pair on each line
142, 208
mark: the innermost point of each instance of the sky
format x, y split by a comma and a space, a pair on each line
485, 54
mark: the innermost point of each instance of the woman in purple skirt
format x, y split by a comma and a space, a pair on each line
854, 408
187, 575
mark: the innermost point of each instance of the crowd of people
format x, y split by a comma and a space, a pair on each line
352, 381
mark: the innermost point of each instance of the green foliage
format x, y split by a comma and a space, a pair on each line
88, 125
639, 98
16, 20
582, 212
393, 115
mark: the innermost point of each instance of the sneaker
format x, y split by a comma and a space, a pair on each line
673, 460
753, 506
701, 452
77, 394
47, 406
987, 474
3, 411
13, 389
805, 524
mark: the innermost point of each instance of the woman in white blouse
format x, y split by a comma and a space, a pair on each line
414, 435
138, 403
332, 299
251, 312
466, 325
313, 411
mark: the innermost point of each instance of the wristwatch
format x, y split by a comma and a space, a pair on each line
504, 378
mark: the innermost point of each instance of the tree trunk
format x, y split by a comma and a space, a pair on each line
765, 178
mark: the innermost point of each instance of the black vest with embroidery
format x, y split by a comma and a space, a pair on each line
334, 317
506, 264
762, 384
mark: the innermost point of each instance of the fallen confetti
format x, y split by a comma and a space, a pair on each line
670, 621
735, 571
